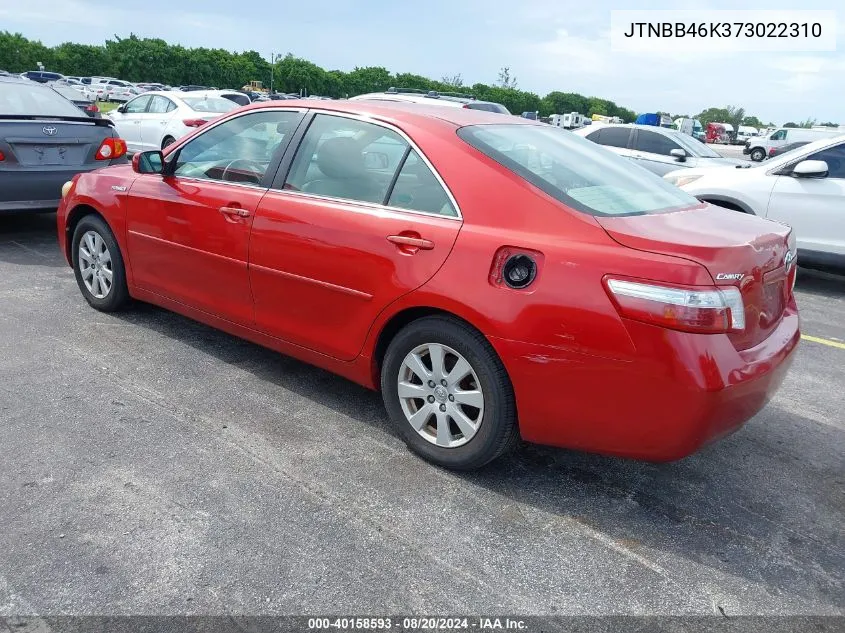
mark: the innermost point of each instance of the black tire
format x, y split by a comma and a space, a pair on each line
758, 154
167, 141
498, 431
118, 294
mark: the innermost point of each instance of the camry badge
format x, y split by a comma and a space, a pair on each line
49, 130
729, 276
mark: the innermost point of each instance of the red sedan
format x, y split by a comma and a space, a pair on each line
493, 277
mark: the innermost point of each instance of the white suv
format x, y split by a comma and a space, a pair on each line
804, 188
432, 97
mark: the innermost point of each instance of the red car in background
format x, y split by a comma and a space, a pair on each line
491, 278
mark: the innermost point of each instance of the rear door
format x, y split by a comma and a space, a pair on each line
814, 207
358, 220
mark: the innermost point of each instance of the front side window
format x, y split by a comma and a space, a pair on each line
654, 143
346, 158
418, 189
778, 136
137, 106
575, 171
835, 159
238, 150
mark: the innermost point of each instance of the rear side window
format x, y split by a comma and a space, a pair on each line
239, 99
613, 136
418, 189
160, 105
35, 100
488, 107
575, 171
209, 104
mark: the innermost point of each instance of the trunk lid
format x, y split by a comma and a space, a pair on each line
737, 250
53, 143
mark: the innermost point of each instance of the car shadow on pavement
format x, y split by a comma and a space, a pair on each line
823, 284
764, 504
29, 239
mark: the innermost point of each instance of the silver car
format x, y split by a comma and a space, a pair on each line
658, 149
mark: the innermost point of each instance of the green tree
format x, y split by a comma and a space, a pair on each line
791, 124
753, 121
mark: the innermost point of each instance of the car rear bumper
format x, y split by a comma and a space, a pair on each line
680, 393
36, 190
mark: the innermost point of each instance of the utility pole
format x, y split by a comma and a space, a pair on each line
273, 59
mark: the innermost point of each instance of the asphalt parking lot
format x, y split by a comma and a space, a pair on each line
149, 464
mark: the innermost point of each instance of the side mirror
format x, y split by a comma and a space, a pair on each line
376, 160
151, 162
679, 155
122, 109
810, 169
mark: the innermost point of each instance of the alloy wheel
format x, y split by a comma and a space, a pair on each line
95, 265
440, 395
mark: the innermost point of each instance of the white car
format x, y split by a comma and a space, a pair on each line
121, 93
804, 188
154, 120
432, 97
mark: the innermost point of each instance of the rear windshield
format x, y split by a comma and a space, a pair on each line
488, 107
34, 100
575, 171
209, 104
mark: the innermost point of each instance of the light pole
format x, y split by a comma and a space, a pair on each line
273, 59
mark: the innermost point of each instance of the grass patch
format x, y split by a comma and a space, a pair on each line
105, 106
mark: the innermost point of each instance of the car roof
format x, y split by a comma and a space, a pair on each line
16, 79
398, 112
417, 97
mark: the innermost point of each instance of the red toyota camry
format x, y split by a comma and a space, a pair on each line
494, 277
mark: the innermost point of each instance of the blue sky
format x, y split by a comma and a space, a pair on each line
548, 44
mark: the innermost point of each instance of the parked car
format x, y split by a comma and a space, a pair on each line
87, 104
156, 119
120, 94
432, 97
658, 149
192, 88
758, 147
481, 311
42, 76
44, 141
235, 96
777, 151
77, 85
804, 188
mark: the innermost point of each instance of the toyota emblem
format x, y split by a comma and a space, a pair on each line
49, 130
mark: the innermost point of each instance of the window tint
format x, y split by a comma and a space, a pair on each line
595, 137
778, 136
835, 159
160, 105
488, 107
614, 136
346, 158
418, 189
136, 106
575, 171
239, 150
237, 98
654, 143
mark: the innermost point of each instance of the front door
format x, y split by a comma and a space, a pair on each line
159, 113
360, 220
815, 207
188, 232
127, 118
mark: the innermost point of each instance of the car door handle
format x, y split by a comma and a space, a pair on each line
411, 242
234, 212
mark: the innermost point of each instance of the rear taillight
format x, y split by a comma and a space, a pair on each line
92, 108
194, 122
110, 149
2, 156
705, 310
